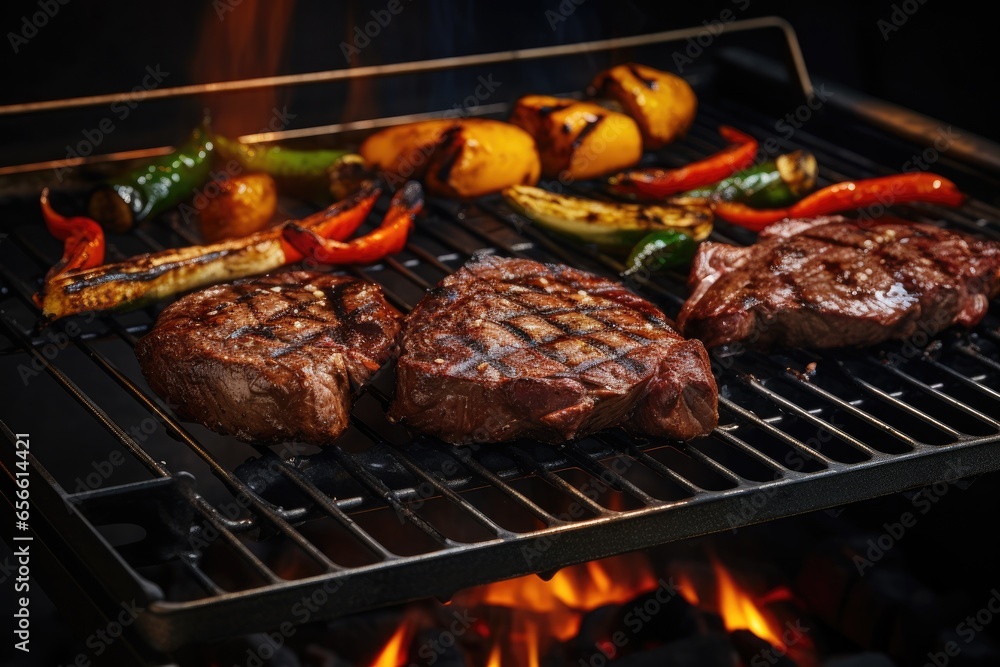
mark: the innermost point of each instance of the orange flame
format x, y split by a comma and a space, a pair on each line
495, 659
739, 612
687, 589
393, 654
560, 603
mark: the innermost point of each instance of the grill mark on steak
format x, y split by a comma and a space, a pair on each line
857, 284
542, 345
505, 348
273, 358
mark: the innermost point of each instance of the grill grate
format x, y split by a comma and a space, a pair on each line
237, 536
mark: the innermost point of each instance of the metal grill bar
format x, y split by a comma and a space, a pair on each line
379, 475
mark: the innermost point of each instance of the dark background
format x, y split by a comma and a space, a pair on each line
933, 57
940, 61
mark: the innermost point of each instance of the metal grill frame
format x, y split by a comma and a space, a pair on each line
64, 526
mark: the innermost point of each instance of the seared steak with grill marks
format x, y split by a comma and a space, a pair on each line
273, 358
505, 348
833, 282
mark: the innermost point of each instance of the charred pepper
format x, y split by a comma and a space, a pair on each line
778, 182
883, 191
388, 239
279, 161
83, 240
154, 187
659, 183
660, 250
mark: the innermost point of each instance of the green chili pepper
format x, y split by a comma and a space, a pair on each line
154, 187
660, 250
279, 161
773, 184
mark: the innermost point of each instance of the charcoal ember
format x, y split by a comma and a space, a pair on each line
865, 659
709, 651
756, 651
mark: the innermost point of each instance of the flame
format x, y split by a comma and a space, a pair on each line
739, 612
239, 41
495, 660
687, 589
520, 618
559, 603
531, 644
394, 653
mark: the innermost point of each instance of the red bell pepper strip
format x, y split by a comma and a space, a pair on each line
659, 183
389, 238
83, 239
336, 223
885, 191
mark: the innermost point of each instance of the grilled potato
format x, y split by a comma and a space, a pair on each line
241, 206
457, 158
578, 140
662, 103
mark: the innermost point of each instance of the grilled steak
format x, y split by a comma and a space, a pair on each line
833, 282
505, 348
272, 358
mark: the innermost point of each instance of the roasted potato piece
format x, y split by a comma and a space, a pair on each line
241, 206
578, 140
662, 103
458, 158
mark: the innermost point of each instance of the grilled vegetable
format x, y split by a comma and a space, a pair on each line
779, 182
279, 161
663, 104
459, 158
348, 175
151, 276
243, 205
659, 183
660, 250
154, 187
578, 140
612, 227
882, 192
388, 239
83, 240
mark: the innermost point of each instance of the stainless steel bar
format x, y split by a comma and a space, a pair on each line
438, 64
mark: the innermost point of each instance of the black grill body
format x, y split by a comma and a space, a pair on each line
213, 537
